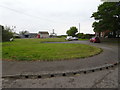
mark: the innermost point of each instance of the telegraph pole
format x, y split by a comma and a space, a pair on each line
79, 27
53, 31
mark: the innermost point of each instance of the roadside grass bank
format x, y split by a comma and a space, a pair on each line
34, 49
82, 39
110, 40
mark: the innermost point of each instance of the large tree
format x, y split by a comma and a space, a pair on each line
72, 31
107, 17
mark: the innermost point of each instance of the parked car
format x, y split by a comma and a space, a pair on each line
95, 40
11, 39
70, 38
74, 38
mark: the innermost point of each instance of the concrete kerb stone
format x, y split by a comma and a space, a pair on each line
59, 74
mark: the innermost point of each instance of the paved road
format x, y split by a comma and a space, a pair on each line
99, 79
108, 56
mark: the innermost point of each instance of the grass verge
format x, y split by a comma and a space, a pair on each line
34, 49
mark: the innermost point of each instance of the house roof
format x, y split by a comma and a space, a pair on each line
16, 34
32, 33
43, 32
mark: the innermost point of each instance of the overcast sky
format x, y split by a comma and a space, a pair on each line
45, 15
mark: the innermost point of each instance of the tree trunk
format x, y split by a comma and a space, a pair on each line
114, 34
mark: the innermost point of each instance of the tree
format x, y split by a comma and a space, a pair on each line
107, 17
24, 34
6, 33
72, 31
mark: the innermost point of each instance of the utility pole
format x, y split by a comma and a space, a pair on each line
79, 27
53, 31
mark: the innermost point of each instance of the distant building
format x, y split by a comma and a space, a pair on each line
53, 34
43, 34
28, 35
16, 35
33, 35
107, 33
102, 34
40, 34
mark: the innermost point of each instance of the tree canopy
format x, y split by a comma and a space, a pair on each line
107, 17
72, 31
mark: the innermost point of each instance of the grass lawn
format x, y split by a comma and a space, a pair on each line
83, 39
34, 49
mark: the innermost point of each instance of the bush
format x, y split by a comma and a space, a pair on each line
6, 34
62, 36
80, 35
87, 36
83, 37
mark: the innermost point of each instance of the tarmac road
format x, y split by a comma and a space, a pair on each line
99, 79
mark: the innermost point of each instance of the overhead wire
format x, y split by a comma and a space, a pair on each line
25, 13
37, 17
41, 18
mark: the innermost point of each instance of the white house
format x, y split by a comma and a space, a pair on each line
43, 34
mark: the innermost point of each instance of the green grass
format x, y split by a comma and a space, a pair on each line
34, 49
53, 40
82, 39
